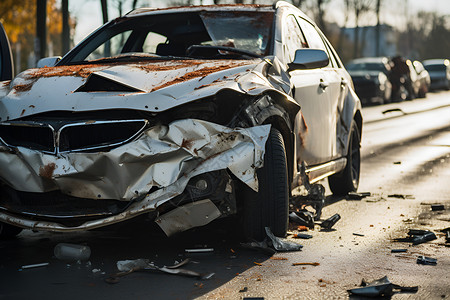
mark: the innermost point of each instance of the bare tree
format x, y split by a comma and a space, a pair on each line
65, 36
41, 29
377, 31
359, 7
342, 31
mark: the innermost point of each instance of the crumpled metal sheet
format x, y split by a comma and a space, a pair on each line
163, 156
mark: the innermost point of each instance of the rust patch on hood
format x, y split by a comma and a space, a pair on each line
195, 74
23, 87
76, 70
47, 170
5, 83
151, 67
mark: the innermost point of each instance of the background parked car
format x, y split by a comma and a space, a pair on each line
423, 77
439, 70
370, 78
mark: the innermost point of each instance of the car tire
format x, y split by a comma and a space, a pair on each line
348, 180
270, 205
8, 231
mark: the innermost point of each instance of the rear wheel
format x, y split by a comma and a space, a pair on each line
348, 180
269, 206
8, 231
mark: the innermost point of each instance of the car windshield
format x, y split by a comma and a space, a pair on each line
156, 36
435, 68
366, 67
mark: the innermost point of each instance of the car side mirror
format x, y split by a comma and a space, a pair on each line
48, 61
309, 59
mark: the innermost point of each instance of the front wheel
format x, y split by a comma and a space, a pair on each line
348, 180
269, 206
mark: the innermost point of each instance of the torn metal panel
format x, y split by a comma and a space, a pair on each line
166, 157
188, 216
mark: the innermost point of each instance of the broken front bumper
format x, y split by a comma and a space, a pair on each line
145, 173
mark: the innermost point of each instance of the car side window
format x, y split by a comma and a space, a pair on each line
293, 38
313, 37
152, 41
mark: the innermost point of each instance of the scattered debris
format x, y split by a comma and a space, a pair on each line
302, 236
243, 290
418, 236
74, 252
314, 195
34, 266
328, 223
278, 258
422, 238
423, 260
282, 245
302, 228
129, 266
397, 162
358, 234
306, 264
257, 263
398, 250
260, 246
199, 285
358, 196
302, 217
437, 207
380, 288
447, 234
401, 196
393, 110
270, 241
199, 250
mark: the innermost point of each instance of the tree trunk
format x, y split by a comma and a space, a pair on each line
107, 49
356, 45
377, 30
65, 26
41, 29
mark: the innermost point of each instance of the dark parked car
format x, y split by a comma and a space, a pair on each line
184, 114
371, 78
439, 70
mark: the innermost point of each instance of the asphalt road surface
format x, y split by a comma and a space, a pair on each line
405, 167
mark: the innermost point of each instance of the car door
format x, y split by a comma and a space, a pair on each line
317, 91
6, 64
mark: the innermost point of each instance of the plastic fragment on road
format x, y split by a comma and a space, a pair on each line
302, 236
399, 250
142, 264
358, 234
34, 266
303, 218
423, 238
358, 196
280, 244
381, 288
437, 207
199, 250
418, 236
72, 252
424, 260
328, 223
401, 196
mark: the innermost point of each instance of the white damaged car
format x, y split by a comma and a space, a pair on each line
184, 114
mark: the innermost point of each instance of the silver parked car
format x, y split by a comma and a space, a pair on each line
184, 114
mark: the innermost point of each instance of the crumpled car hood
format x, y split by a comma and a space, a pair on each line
85, 87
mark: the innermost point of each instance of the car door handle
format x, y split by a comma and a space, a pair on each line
323, 84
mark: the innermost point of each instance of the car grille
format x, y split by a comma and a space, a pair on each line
57, 206
76, 136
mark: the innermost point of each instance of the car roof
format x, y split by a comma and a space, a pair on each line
439, 61
196, 8
384, 60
